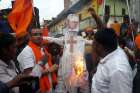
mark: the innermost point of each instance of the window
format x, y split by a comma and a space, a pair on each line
123, 12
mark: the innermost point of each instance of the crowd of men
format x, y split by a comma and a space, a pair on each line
112, 64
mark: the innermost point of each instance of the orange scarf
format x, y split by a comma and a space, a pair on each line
44, 80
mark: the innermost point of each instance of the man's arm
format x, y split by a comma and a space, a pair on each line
26, 60
96, 18
59, 41
120, 82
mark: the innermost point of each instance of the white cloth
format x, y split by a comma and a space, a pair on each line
26, 58
7, 73
66, 70
114, 74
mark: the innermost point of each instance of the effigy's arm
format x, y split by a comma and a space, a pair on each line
59, 41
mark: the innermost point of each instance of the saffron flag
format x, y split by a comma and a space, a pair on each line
20, 17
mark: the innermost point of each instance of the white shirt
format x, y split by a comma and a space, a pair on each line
114, 74
7, 73
26, 58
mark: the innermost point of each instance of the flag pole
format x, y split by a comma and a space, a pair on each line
34, 18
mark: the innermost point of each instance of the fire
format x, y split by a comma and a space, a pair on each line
79, 67
78, 71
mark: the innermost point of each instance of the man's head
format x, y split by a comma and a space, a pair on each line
72, 22
137, 41
105, 41
36, 36
7, 46
126, 19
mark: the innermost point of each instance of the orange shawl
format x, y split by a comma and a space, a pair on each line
44, 80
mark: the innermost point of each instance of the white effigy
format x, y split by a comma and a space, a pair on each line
72, 73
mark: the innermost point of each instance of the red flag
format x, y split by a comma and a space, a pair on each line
21, 16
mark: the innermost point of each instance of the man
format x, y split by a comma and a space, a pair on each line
15, 82
114, 74
31, 55
124, 26
116, 27
136, 81
9, 79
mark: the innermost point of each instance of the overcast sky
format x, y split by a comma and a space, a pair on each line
47, 8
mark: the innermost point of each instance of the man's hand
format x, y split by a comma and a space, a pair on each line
92, 11
54, 68
44, 59
19, 80
99, 22
50, 70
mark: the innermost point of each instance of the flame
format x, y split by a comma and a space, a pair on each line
76, 76
79, 67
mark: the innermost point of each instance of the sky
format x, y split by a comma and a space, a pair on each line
47, 8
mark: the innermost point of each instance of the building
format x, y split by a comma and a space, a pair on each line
73, 2
69, 3
66, 4
80, 8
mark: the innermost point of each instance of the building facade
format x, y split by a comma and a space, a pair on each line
114, 8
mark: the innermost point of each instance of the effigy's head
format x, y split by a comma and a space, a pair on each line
72, 23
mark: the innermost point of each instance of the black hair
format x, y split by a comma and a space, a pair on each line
107, 38
6, 40
126, 17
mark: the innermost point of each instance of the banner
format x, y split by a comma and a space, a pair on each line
20, 17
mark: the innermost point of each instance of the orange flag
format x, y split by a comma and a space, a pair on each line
20, 17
